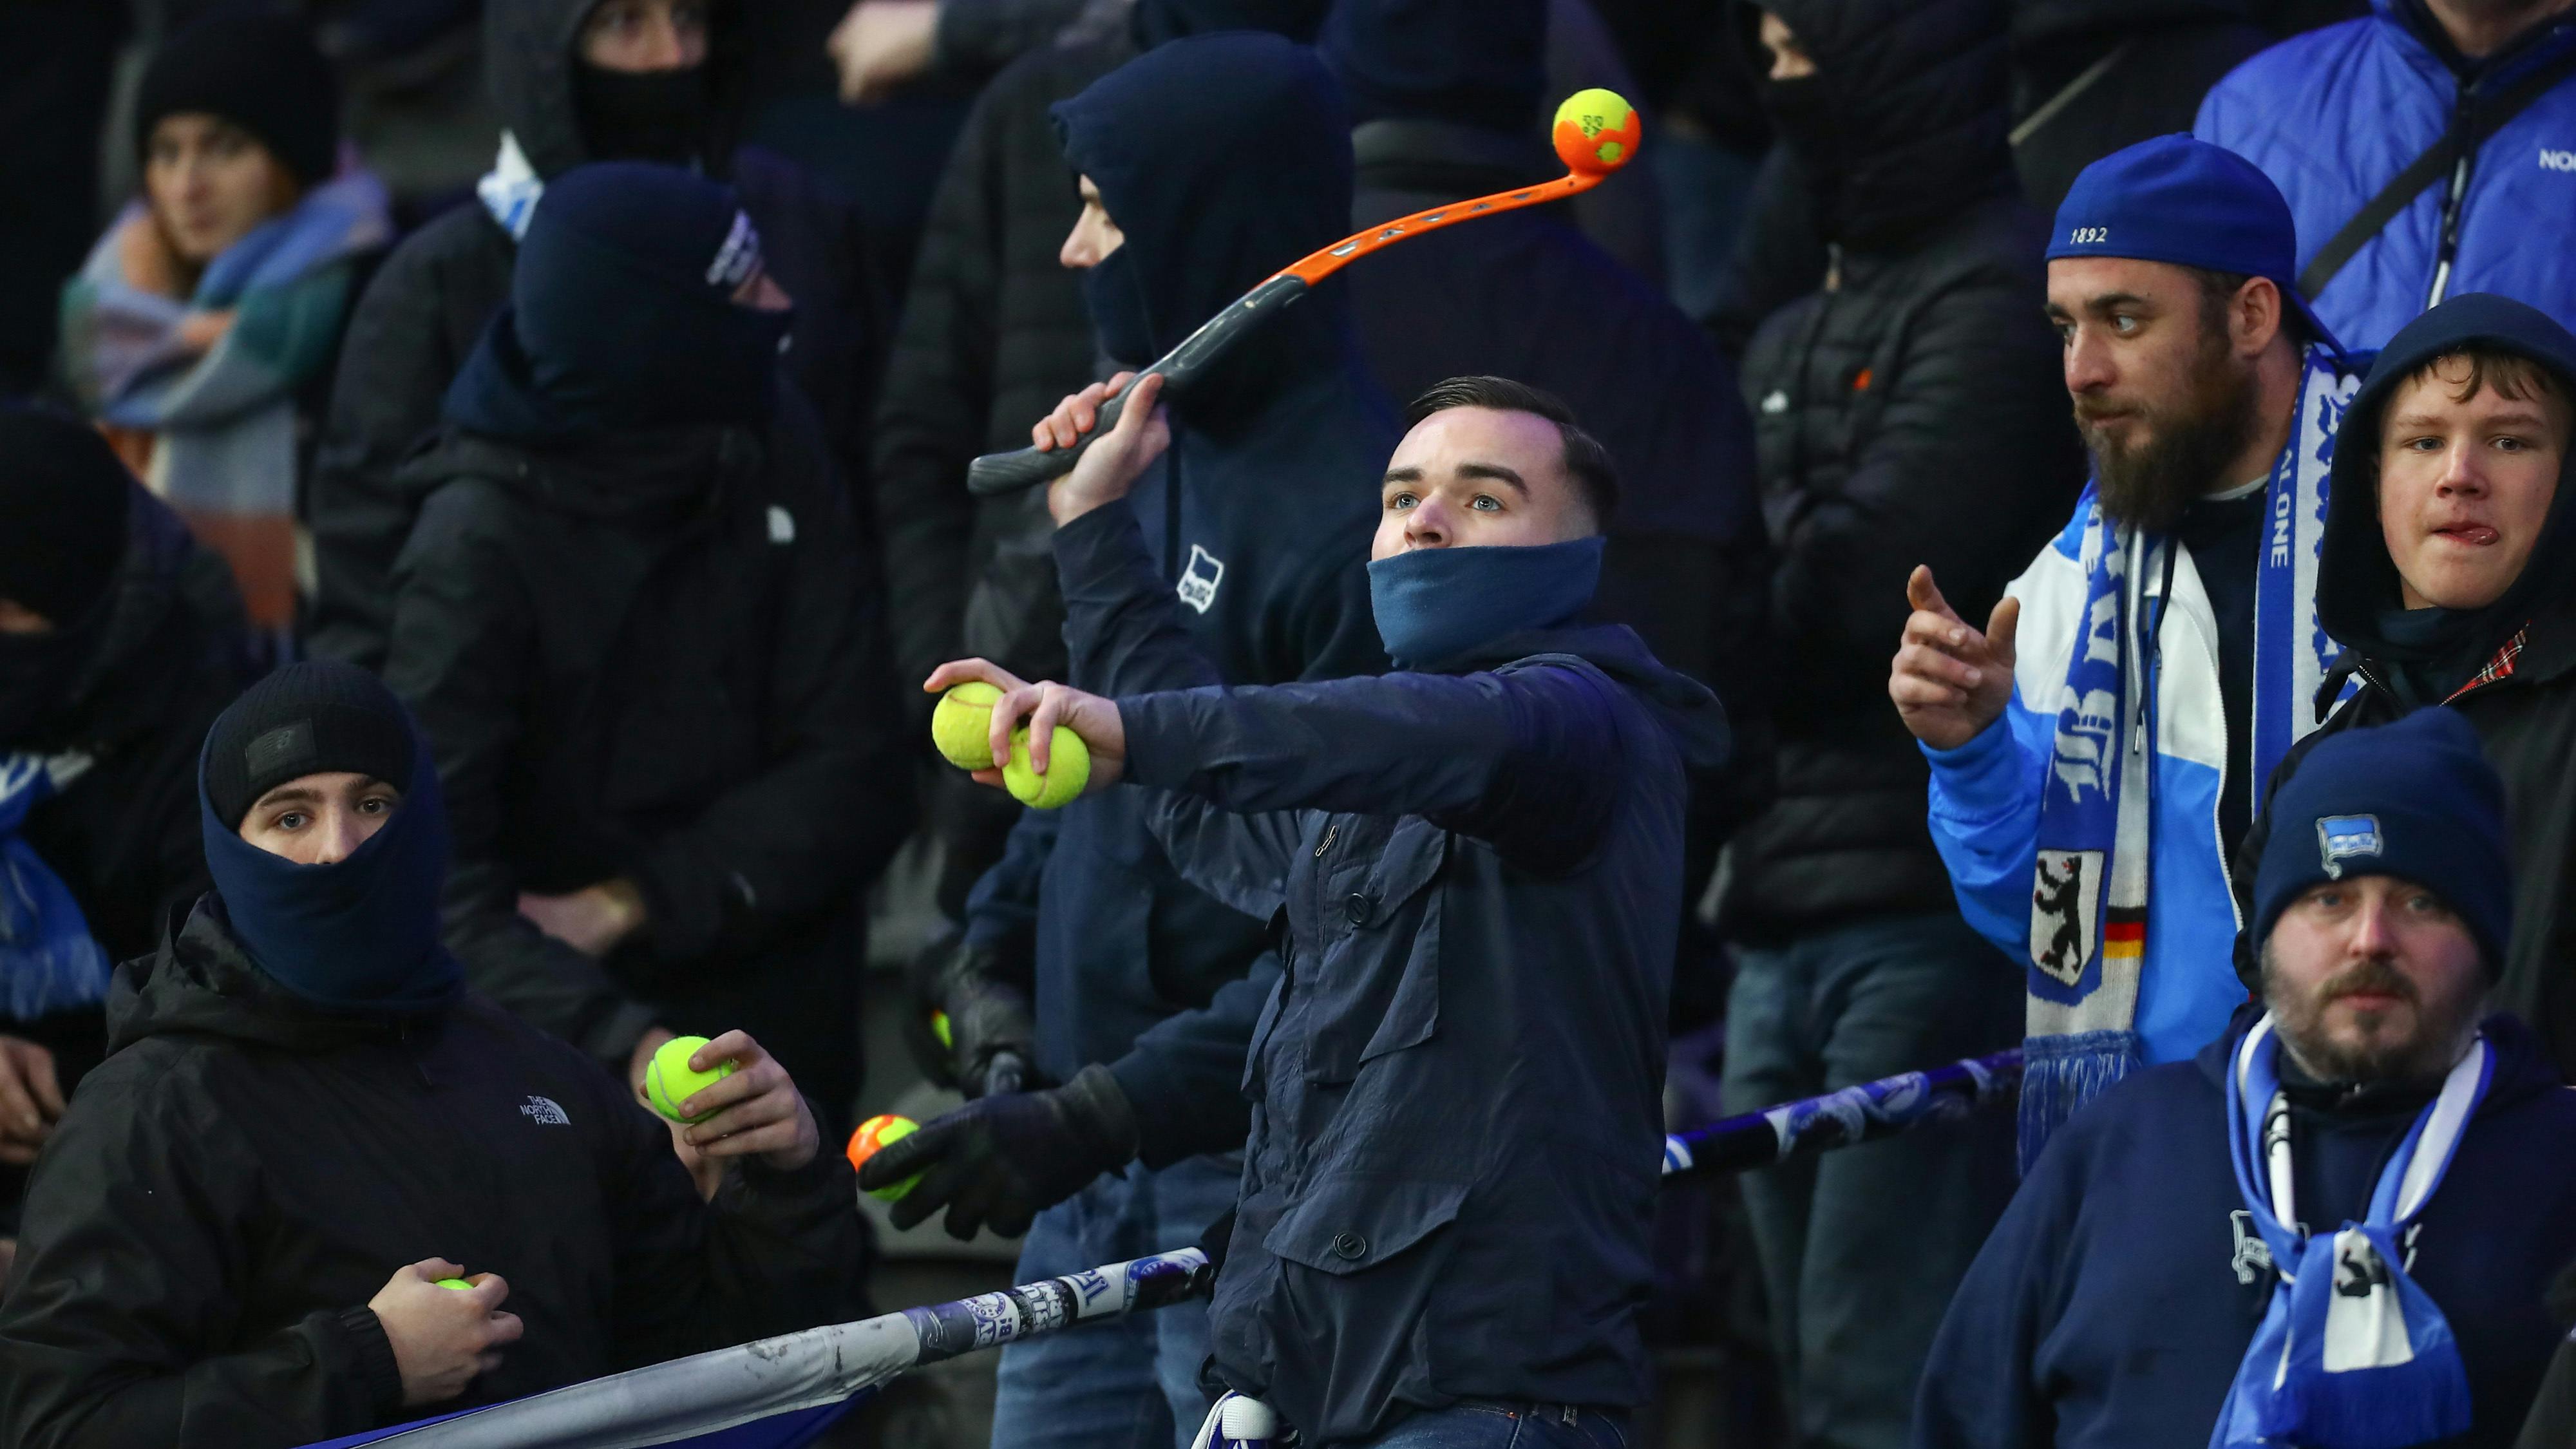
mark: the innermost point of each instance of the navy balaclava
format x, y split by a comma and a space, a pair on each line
64, 502
621, 314
2414, 799
2431, 652
1474, 62
361, 934
1165, 138
1434, 605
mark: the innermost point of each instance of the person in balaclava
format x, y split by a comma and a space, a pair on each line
1145, 988
1446, 95
992, 333
1908, 411
119, 643
575, 81
1474, 869
306, 1120
2449, 551
635, 620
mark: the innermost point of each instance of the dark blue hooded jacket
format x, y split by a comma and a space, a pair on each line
2115, 1300
1259, 517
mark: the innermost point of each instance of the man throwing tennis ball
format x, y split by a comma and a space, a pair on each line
1442, 1229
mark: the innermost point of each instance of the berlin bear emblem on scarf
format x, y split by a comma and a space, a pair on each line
2061, 911
1199, 581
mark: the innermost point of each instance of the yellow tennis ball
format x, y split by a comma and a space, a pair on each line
1595, 132
668, 1080
962, 725
1068, 770
876, 1133
457, 1283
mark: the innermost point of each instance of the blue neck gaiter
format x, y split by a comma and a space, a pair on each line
1435, 604
357, 935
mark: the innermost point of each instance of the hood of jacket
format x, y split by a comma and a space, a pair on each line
1908, 114
154, 644
2523, 1067
2041, 21
1689, 708
530, 60
202, 982
2357, 585
1473, 62
1164, 137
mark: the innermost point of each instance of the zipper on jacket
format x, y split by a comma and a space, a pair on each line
2448, 245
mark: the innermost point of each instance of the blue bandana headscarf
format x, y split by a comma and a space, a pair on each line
2350, 1354
1435, 604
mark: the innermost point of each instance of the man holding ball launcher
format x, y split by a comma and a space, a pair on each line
1442, 1226
300, 1099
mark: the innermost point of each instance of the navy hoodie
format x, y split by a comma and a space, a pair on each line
2115, 1300
1259, 517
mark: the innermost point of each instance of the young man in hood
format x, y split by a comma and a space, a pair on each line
1474, 868
2333, 1226
2174, 608
2446, 575
575, 81
237, 1233
1901, 412
634, 620
119, 643
1145, 987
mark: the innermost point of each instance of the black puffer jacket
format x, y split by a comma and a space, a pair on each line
658, 659
226, 1194
2112, 73
429, 302
1911, 412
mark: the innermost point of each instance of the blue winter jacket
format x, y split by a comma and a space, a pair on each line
2112, 1304
2335, 114
1450, 1181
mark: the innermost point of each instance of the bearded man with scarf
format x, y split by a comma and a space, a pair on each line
634, 620
2097, 749
305, 1121
2333, 1227
2448, 573
119, 643
1903, 411
1145, 987
575, 81
1473, 870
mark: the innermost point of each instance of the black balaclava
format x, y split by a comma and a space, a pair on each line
1165, 138
565, 112
654, 115
1160, 22
1474, 62
1905, 120
621, 315
2432, 652
256, 69
64, 501
360, 934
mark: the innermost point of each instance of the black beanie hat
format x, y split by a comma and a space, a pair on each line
2415, 799
312, 718
64, 498
258, 70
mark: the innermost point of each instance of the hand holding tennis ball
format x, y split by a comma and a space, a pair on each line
873, 1136
730, 1098
670, 1080
444, 1330
1072, 742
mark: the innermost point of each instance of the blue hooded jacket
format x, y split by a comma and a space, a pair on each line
2114, 1301
2333, 115
1258, 517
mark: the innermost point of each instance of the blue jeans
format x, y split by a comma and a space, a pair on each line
1862, 1247
1480, 1425
1131, 1383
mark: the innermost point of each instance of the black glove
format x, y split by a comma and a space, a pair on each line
986, 1015
998, 1162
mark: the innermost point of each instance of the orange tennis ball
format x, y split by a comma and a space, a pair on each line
1596, 132
874, 1134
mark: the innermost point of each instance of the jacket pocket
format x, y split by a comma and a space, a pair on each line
1379, 987
1344, 1225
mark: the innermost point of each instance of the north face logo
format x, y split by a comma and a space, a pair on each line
544, 1112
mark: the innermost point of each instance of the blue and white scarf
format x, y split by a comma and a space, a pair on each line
2097, 800
2350, 1354
48, 962
511, 189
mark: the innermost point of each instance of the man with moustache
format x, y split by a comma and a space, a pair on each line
2175, 608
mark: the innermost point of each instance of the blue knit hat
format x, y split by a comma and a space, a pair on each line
2414, 799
